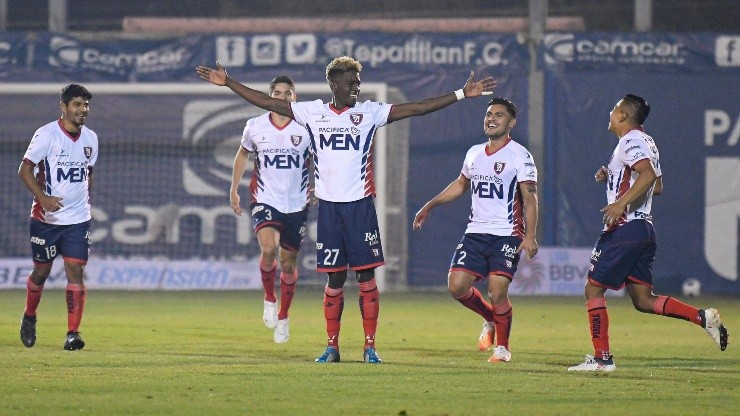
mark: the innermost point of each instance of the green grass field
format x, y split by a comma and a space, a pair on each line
207, 353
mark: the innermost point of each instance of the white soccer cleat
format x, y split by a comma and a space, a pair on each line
486, 336
269, 314
500, 354
714, 327
282, 332
595, 364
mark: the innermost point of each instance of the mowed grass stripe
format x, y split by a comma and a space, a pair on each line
183, 353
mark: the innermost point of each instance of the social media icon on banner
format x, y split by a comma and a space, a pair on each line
727, 51
265, 50
231, 50
300, 48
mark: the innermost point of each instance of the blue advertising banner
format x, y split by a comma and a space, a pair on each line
257, 56
14, 49
123, 60
642, 52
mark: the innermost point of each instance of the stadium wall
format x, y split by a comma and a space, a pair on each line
690, 79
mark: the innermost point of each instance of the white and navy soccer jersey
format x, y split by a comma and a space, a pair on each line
497, 205
62, 163
280, 176
632, 148
342, 145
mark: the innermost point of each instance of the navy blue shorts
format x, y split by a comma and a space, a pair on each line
485, 254
348, 233
625, 253
292, 227
48, 241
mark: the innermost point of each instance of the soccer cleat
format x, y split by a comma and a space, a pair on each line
500, 354
714, 327
282, 332
269, 314
486, 336
331, 355
370, 356
595, 364
73, 341
28, 330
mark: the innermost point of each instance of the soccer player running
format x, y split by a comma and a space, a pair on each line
279, 200
502, 177
341, 134
624, 253
57, 169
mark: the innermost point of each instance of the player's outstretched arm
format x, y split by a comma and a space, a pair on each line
451, 192
471, 89
220, 77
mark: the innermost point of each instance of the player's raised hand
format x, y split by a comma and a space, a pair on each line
215, 76
475, 88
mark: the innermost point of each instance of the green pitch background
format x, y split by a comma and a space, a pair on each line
203, 353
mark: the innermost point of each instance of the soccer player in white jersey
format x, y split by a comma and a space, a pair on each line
57, 169
279, 200
341, 133
502, 177
624, 253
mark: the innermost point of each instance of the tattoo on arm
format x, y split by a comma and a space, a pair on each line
532, 188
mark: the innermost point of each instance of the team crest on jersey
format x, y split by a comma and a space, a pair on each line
498, 167
296, 140
88, 151
355, 118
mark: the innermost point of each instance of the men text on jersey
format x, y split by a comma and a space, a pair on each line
497, 205
280, 176
62, 162
342, 145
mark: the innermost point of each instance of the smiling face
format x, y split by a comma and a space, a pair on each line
345, 88
74, 113
498, 122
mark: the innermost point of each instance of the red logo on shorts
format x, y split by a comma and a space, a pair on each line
498, 167
355, 118
88, 151
296, 140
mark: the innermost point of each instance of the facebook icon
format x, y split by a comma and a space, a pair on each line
231, 50
727, 51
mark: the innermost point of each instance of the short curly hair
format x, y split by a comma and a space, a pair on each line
341, 65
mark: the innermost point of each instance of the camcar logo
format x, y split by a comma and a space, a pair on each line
212, 128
